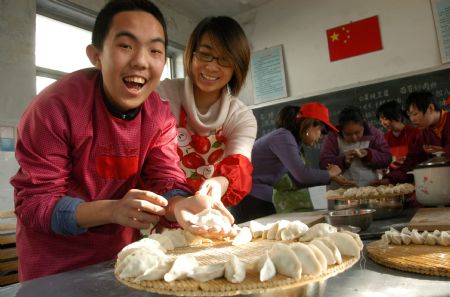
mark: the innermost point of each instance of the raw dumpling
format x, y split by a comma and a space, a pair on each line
444, 239
326, 251
265, 267
195, 240
346, 244
176, 236
332, 246
163, 240
356, 238
256, 228
206, 273
235, 270
319, 256
181, 268
318, 230
416, 237
275, 228
310, 264
244, 236
285, 260
294, 230
145, 243
143, 262
211, 218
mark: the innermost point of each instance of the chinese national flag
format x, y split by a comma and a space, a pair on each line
354, 39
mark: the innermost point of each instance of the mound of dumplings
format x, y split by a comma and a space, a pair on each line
297, 250
371, 192
407, 237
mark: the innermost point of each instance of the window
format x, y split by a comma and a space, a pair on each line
61, 48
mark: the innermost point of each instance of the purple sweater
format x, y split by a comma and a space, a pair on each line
276, 154
379, 155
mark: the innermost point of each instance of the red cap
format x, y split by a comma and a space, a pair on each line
318, 111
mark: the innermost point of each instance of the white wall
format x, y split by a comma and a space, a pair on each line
407, 31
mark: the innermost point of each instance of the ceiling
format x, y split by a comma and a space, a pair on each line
199, 9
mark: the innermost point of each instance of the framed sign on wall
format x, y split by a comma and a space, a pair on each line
267, 67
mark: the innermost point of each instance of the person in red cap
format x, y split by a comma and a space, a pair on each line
359, 149
280, 152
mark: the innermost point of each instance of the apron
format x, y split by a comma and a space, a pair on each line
358, 172
198, 154
286, 197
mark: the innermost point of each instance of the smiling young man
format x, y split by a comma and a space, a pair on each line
434, 135
97, 149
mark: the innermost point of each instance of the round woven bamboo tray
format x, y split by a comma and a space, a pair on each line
423, 259
219, 252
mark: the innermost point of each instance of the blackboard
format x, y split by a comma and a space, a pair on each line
368, 98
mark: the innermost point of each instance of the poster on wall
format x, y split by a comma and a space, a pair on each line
269, 82
441, 15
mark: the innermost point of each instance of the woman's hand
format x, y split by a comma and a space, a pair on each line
343, 181
187, 208
214, 187
333, 170
350, 155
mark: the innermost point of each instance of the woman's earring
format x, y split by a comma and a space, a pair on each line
307, 133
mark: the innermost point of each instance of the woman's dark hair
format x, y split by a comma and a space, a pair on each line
113, 7
287, 119
227, 35
352, 114
421, 100
392, 110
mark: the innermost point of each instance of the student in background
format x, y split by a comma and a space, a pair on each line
279, 152
216, 130
399, 135
434, 123
359, 149
97, 151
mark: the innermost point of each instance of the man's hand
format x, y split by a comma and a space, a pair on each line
433, 148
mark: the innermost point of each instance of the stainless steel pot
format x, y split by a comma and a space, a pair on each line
432, 181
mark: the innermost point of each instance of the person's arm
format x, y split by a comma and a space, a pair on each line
378, 154
329, 152
240, 132
284, 146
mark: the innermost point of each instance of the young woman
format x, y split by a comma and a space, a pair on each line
359, 149
399, 135
216, 130
279, 152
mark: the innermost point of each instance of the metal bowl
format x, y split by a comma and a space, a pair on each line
361, 218
386, 207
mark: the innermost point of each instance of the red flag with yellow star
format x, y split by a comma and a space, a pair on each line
354, 39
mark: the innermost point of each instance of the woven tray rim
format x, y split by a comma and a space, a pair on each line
378, 253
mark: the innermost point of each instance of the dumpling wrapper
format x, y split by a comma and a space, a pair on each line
319, 256
244, 236
326, 251
346, 244
208, 272
294, 230
181, 268
211, 218
318, 230
176, 236
332, 246
163, 240
285, 260
266, 267
235, 270
146, 243
306, 256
